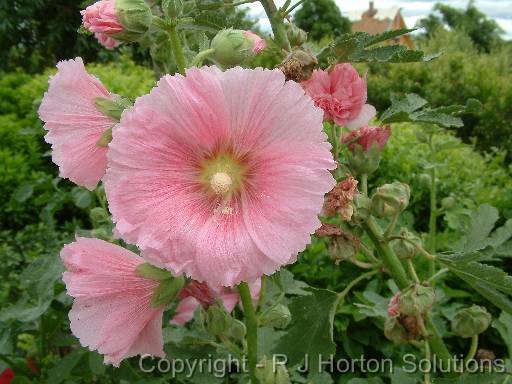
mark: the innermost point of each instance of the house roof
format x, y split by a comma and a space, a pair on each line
382, 14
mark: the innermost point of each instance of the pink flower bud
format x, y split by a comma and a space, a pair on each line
367, 137
393, 310
100, 18
258, 43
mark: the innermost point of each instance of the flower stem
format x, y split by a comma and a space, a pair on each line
364, 184
177, 49
198, 60
412, 271
433, 208
428, 357
472, 349
356, 281
252, 330
276, 21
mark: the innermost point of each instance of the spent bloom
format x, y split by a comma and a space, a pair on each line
341, 93
339, 199
220, 175
367, 137
75, 124
393, 310
196, 294
100, 18
112, 311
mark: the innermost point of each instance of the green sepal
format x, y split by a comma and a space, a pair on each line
112, 108
167, 291
154, 273
135, 16
105, 138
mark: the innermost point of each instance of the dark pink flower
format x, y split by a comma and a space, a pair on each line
100, 18
367, 137
341, 93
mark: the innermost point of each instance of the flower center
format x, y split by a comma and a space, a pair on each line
221, 183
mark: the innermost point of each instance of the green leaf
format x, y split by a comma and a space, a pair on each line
96, 363
81, 197
482, 223
310, 332
354, 47
154, 273
23, 192
62, 371
167, 291
504, 326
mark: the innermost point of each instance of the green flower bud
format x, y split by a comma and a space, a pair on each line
217, 320
390, 199
278, 316
395, 331
135, 16
416, 300
233, 46
269, 373
99, 215
362, 161
238, 330
173, 8
296, 36
471, 321
448, 202
404, 248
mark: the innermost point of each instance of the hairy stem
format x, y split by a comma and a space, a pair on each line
177, 49
364, 184
252, 330
276, 21
472, 349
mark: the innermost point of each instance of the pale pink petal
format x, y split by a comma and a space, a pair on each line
101, 17
185, 311
74, 124
112, 310
154, 186
367, 113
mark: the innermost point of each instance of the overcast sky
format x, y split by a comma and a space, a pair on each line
412, 10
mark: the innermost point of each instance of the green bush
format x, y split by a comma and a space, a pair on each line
459, 74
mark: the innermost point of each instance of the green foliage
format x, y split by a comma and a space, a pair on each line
360, 47
321, 18
455, 77
483, 31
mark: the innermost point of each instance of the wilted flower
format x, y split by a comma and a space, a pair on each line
220, 175
75, 124
339, 199
393, 310
367, 137
113, 21
234, 46
341, 93
196, 294
112, 311
298, 65
390, 199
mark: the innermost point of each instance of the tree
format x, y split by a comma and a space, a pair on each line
482, 30
321, 18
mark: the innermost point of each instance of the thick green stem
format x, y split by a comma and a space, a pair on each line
437, 344
433, 208
276, 21
252, 330
364, 184
428, 357
177, 49
390, 260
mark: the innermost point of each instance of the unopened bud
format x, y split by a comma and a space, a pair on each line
217, 320
471, 321
233, 46
278, 316
390, 199
425, 180
416, 300
238, 330
135, 16
172, 8
269, 372
448, 202
99, 215
296, 36
403, 248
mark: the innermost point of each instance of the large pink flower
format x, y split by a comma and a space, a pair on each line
112, 310
197, 294
74, 123
220, 175
100, 18
341, 93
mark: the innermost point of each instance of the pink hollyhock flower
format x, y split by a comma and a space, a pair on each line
341, 93
75, 124
367, 137
7, 376
259, 44
195, 294
220, 175
112, 310
393, 310
100, 18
